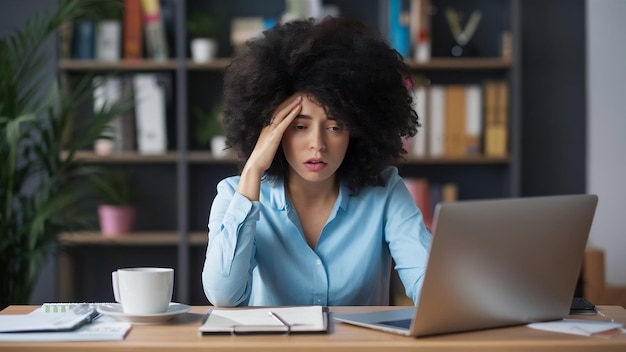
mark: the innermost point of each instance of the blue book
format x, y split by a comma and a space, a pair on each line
84, 40
399, 35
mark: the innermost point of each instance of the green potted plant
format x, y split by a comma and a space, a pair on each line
202, 31
116, 210
40, 185
209, 130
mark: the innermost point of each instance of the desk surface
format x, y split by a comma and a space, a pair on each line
181, 334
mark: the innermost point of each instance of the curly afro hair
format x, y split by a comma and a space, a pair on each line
343, 65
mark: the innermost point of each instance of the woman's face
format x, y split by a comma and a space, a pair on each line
314, 145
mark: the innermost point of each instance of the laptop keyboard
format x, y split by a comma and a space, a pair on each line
578, 304
403, 323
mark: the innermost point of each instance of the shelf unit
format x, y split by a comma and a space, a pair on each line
200, 157
196, 172
219, 64
135, 239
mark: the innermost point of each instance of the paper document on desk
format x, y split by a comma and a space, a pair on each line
101, 329
580, 327
68, 320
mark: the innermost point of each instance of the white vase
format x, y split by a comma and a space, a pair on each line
218, 147
203, 49
104, 146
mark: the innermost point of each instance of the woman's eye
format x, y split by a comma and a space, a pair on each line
299, 127
335, 128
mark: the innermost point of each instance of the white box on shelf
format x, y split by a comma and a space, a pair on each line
150, 113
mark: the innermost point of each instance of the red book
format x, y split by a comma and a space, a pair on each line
132, 41
420, 191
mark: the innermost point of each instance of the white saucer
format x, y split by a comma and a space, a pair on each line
115, 310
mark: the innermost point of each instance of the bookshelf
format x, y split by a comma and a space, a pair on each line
171, 227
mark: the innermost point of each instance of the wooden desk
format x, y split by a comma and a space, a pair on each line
181, 334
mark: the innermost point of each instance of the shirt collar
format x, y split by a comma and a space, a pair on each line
278, 195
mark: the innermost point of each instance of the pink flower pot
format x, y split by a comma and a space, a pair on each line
116, 220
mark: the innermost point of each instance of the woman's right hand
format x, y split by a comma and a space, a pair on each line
266, 146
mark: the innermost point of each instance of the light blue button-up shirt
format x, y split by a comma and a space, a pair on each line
257, 254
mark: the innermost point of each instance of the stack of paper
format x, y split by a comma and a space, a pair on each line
580, 327
52, 322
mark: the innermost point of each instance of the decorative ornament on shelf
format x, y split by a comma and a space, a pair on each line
209, 131
116, 210
202, 28
463, 36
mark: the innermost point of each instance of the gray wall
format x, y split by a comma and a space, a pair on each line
606, 133
553, 97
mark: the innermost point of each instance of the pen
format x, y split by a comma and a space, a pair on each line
74, 318
280, 320
606, 316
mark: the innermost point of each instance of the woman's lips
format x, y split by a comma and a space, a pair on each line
315, 165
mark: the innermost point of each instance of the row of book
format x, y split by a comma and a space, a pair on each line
411, 25
461, 120
428, 194
140, 29
142, 128
406, 24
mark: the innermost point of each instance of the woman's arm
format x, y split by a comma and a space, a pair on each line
230, 253
407, 236
229, 261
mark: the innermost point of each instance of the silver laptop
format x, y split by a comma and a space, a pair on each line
495, 263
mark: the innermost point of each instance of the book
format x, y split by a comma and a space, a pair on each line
436, 197
399, 36
128, 135
150, 114
168, 15
420, 29
83, 40
65, 34
132, 38
490, 137
502, 118
107, 90
108, 40
436, 120
156, 41
420, 100
420, 192
496, 118
273, 320
473, 119
449, 192
454, 131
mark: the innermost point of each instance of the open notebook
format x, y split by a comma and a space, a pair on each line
495, 263
278, 320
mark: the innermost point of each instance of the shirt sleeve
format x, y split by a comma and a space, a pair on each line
230, 253
406, 234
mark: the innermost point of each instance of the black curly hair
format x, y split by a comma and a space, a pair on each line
341, 64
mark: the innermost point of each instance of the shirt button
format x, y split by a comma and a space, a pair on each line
318, 262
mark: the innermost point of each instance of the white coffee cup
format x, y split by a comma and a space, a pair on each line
143, 291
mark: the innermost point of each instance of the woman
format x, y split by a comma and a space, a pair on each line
316, 111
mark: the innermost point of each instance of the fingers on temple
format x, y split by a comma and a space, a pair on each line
287, 112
